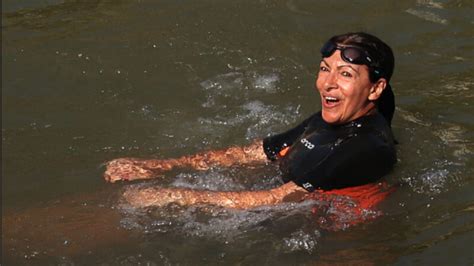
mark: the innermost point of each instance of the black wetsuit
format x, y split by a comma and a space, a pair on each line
324, 156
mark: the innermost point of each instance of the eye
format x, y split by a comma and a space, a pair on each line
323, 68
346, 74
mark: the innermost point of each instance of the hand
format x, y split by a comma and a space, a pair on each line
132, 169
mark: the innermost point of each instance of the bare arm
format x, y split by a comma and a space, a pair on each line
240, 200
133, 168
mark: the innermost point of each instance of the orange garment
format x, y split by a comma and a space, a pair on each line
366, 196
349, 206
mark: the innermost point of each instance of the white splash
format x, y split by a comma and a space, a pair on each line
431, 180
209, 180
221, 224
266, 82
301, 241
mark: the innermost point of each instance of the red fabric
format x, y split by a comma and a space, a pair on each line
367, 196
347, 207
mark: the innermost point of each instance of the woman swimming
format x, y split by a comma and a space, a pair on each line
348, 143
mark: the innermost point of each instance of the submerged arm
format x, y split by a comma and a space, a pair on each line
132, 168
240, 200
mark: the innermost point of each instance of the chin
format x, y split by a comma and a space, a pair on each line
329, 118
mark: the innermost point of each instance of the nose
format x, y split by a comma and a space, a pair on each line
330, 81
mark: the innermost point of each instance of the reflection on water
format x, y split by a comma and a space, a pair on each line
88, 81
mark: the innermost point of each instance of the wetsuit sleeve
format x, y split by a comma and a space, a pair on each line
274, 144
355, 161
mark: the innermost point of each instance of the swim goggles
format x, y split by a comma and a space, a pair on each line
351, 54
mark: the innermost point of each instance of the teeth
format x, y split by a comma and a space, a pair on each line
328, 98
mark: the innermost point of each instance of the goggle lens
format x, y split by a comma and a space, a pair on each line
350, 54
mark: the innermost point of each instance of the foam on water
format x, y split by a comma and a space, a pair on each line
266, 82
258, 118
429, 181
227, 224
220, 224
238, 86
266, 118
246, 111
301, 241
210, 180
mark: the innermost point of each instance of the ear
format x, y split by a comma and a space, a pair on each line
377, 89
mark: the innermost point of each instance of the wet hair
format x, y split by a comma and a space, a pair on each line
383, 66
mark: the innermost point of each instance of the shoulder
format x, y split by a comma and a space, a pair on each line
364, 138
372, 127
369, 136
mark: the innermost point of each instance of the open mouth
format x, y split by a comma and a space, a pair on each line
331, 100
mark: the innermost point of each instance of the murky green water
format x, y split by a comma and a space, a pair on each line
84, 82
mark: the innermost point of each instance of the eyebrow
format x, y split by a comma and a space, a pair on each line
341, 66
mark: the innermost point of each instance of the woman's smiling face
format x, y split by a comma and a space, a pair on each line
345, 89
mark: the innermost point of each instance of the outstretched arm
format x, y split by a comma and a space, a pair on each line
133, 168
154, 196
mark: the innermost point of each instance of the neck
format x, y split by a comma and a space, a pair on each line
369, 109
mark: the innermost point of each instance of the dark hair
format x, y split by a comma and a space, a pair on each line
382, 67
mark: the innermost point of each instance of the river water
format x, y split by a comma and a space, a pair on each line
84, 82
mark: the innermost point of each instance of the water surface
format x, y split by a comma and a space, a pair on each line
84, 82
